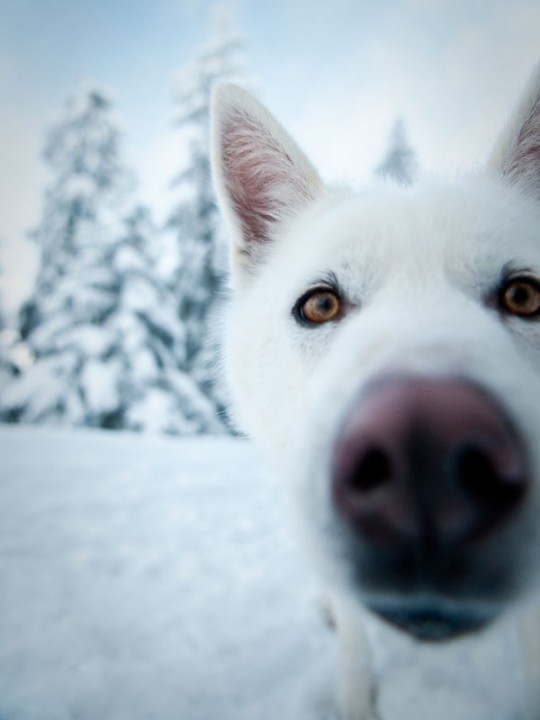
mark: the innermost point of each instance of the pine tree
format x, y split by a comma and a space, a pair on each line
14, 355
157, 394
399, 163
194, 221
89, 334
82, 151
2, 310
63, 321
8, 369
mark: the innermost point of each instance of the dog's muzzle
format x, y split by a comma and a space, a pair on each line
427, 476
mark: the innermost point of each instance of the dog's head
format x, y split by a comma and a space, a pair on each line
384, 347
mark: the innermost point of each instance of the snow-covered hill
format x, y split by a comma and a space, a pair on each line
151, 579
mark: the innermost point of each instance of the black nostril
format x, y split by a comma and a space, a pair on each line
373, 470
477, 474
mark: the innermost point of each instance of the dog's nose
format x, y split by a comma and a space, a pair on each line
434, 462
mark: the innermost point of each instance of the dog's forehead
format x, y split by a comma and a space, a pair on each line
439, 228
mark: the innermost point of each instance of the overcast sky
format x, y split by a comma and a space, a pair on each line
336, 73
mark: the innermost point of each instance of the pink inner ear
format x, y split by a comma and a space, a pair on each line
261, 178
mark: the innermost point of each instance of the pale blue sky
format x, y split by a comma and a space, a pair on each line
336, 73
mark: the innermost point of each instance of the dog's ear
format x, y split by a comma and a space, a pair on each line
261, 176
517, 152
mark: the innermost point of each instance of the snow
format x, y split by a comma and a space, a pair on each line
155, 411
153, 578
42, 389
99, 380
91, 340
106, 343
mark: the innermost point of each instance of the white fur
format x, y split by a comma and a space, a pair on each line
417, 265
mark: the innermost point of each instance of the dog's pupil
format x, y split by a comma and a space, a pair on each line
520, 294
325, 304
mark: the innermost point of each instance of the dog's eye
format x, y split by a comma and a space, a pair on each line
521, 296
317, 306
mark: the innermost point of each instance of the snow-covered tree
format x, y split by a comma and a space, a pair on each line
399, 163
89, 180
8, 369
156, 393
62, 322
2, 310
13, 353
194, 222
102, 337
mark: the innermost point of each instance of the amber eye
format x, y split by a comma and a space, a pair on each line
521, 296
318, 306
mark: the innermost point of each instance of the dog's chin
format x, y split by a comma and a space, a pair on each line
433, 624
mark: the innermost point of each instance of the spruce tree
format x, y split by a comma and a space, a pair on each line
399, 163
97, 324
156, 393
194, 222
2, 310
8, 369
63, 321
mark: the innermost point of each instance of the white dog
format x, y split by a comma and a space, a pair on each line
384, 348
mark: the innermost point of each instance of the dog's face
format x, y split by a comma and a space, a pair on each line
384, 347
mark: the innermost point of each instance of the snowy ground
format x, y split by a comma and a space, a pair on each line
159, 579
151, 579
